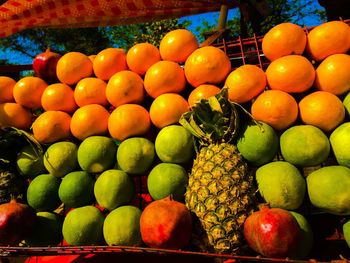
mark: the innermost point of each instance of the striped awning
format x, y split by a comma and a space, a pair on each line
17, 15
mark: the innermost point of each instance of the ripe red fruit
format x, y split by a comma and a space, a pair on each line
272, 232
44, 65
166, 223
16, 222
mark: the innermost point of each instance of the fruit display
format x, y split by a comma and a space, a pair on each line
178, 148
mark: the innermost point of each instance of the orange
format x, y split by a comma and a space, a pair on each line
292, 74
91, 119
108, 62
276, 108
59, 97
72, 67
167, 109
203, 91
141, 56
6, 89
207, 65
128, 120
327, 39
245, 83
92, 57
333, 74
28, 91
322, 109
51, 126
164, 77
177, 45
125, 87
90, 91
14, 115
282, 40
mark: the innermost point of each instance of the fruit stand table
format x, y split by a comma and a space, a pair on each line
16, 15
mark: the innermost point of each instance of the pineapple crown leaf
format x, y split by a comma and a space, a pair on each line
214, 104
188, 122
2, 160
38, 149
12, 140
12, 132
215, 119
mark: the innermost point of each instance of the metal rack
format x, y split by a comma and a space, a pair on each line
141, 251
243, 51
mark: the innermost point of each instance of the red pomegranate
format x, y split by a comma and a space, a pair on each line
16, 222
44, 65
166, 223
272, 232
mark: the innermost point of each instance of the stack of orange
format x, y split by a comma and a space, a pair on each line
312, 68
12, 113
115, 93
124, 94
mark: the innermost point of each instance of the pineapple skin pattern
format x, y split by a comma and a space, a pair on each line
221, 194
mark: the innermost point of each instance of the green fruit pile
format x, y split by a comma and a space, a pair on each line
88, 192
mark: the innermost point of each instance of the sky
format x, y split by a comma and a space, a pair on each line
196, 20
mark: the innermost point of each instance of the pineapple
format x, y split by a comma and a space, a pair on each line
221, 191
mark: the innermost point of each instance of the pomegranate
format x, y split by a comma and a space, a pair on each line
166, 223
272, 232
16, 222
44, 65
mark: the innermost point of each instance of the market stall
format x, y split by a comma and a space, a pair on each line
216, 125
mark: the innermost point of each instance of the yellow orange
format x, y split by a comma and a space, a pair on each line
90, 91
28, 91
276, 108
333, 74
167, 109
207, 65
108, 62
327, 39
282, 40
177, 45
58, 97
51, 126
125, 87
141, 56
72, 67
14, 115
91, 119
6, 89
164, 77
245, 83
128, 120
92, 57
292, 74
322, 109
